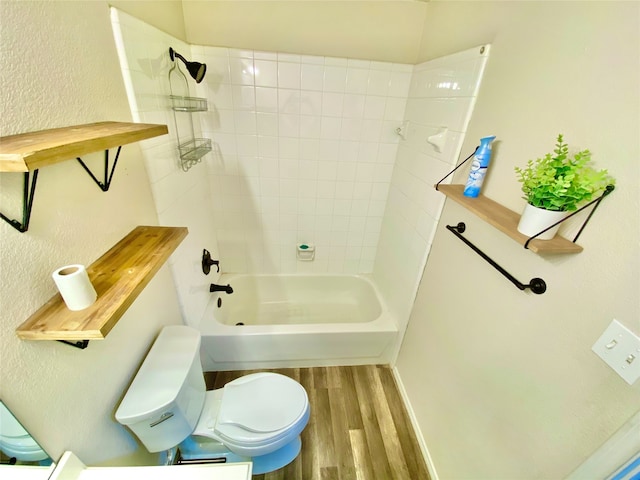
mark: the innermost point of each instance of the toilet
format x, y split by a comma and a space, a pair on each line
257, 417
15, 441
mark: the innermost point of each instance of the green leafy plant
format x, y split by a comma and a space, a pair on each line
559, 182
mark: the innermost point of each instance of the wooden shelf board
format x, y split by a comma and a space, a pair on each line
30, 151
118, 277
506, 221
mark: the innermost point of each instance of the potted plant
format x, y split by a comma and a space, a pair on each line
555, 185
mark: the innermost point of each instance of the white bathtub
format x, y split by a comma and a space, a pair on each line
296, 321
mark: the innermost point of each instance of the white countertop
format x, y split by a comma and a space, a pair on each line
225, 471
71, 467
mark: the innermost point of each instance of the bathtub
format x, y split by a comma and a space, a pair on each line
272, 321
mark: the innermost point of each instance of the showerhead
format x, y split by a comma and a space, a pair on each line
196, 70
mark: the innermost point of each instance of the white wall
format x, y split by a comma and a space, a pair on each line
387, 31
441, 100
181, 198
59, 68
306, 151
503, 383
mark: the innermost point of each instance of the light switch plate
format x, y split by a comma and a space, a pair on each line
619, 347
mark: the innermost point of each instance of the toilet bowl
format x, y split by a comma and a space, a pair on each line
258, 417
16, 442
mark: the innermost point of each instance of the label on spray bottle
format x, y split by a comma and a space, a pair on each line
476, 177
479, 167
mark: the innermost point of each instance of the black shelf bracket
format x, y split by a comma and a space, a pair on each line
536, 285
81, 344
108, 175
30, 189
27, 203
457, 167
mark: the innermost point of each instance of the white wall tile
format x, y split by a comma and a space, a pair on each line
306, 156
353, 106
379, 81
335, 79
311, 77
288, 101
266, 73
267, 123
241, 71
266, 99
357, 80
288, 75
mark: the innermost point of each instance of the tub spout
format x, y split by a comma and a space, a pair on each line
220, 288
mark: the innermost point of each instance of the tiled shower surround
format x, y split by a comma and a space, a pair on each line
305, 153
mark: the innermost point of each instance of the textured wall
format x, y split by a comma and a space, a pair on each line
503, 379
59, 67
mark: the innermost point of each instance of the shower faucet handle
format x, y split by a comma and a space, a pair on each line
207, 262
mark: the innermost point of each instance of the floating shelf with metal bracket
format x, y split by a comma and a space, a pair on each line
507, 220
28, 152
118, 277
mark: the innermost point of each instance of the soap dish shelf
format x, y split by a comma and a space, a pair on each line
188, 104
193, 150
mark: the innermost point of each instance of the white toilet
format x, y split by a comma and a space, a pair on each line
258, 417
15, 441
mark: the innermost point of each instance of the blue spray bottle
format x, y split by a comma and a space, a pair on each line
479, 167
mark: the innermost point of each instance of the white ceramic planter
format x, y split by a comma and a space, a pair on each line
534, 220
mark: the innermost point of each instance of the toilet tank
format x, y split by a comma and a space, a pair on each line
164, 401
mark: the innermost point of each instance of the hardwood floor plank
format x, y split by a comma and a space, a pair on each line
373, 435
352, 407
293, 471
210, 379
306, 379
406, 435
319, 377
361, 457
334, 377
393, 448
330, 473
275, 475
341, 438
308, 457
324, 436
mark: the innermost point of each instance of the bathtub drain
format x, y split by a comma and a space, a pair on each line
239, 323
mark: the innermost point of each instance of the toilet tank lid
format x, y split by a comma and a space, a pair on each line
162, 374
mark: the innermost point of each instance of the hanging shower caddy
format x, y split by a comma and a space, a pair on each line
191, 149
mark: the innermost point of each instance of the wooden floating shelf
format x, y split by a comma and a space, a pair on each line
118, 277
506, 221
27, 152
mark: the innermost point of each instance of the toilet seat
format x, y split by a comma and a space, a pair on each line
260, 409
246, 415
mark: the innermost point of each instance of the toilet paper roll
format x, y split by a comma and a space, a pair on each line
75, 287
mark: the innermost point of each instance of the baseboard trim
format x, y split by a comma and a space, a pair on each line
423, 446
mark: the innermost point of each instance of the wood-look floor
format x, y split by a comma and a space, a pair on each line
358, 430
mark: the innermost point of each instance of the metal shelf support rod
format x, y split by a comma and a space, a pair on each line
108, 175
27, 204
